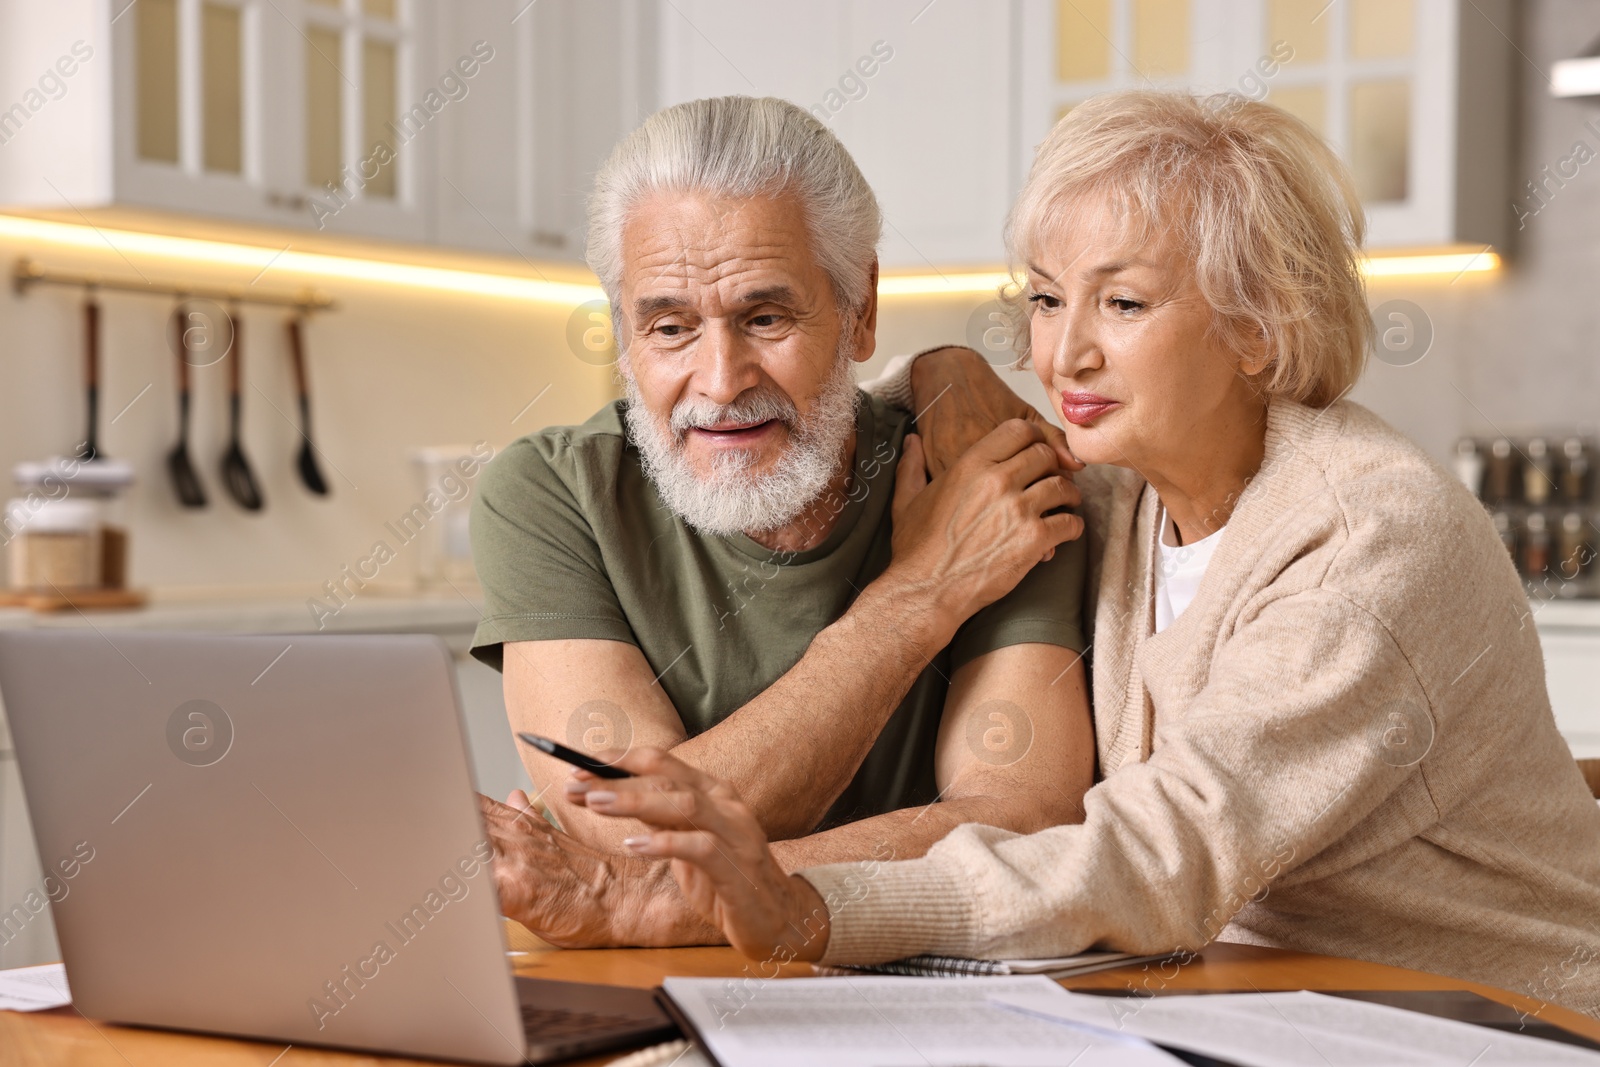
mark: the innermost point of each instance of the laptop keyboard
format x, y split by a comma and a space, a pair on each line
552, 1024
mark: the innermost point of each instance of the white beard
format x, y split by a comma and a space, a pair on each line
733, 498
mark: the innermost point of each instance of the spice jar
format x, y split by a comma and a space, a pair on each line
1574, 547
1535, 546
1539, 473
98, 483
1500, 474
54, 544
1575, 471
1469, 465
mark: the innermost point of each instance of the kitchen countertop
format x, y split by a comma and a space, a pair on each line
448, 613
1566, 614
451, 615
394, 612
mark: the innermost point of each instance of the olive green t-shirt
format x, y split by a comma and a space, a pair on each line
572, 541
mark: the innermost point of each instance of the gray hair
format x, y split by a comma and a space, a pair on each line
741, 147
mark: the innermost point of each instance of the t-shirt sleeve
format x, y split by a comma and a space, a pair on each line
1045, 608
541, 568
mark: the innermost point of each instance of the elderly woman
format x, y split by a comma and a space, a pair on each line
1320, 712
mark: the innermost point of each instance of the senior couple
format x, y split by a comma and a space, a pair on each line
843, 652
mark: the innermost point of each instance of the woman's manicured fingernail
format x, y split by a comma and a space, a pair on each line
574, 785
602, 796
637, 842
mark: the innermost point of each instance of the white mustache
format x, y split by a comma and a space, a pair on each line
763, 404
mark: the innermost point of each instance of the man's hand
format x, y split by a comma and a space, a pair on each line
968, 537
959, 398
571, 895
719, 853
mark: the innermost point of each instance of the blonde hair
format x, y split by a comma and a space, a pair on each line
1262, 208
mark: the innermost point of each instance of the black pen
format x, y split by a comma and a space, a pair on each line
573, 756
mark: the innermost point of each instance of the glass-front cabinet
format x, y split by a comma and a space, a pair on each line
1413, 94
279, 111
479, 123
296, 113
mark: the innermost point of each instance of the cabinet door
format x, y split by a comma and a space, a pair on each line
1374, 79
1071, 50
482, 163
919, 93
567, 79
369, 87
285, 112
187, 119
1414, 95
922, 98
1411, 93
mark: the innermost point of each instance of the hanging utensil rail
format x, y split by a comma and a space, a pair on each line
27, 274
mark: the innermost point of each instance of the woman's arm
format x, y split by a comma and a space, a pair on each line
1276, 760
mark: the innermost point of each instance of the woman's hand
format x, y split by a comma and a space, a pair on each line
960, 398
718, 851
965, 539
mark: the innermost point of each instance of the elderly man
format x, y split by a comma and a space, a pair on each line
740, 562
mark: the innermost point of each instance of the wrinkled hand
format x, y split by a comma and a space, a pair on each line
970, 535
556, 886
718, 850
960, 398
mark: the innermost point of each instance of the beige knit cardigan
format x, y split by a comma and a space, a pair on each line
1344, 746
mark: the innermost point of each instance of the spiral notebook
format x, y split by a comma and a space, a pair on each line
963, 967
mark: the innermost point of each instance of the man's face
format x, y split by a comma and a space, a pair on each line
737, 356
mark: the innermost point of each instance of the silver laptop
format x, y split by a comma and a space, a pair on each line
277, 837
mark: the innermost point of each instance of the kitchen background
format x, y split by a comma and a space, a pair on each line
423, 163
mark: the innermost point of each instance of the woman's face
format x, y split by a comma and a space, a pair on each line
1123, 341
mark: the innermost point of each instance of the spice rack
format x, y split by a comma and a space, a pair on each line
1540, 492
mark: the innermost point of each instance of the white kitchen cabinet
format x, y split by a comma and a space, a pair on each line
1074, 49
920, 93
248, 109
1414, 94
291, 113
566, 81
1572, 673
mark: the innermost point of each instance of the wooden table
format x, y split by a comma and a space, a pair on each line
63, 1036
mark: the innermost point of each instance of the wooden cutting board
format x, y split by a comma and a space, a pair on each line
74, 599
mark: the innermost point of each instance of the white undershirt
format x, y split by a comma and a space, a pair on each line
1178, 573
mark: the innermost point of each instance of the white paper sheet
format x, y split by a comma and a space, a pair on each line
34, 988
893, 1022
1292, 1029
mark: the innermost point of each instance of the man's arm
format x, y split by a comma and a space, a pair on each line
960, 397
959, 544
794, 747
1015, 744
1015, 750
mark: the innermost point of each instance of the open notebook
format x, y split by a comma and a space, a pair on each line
962, 967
